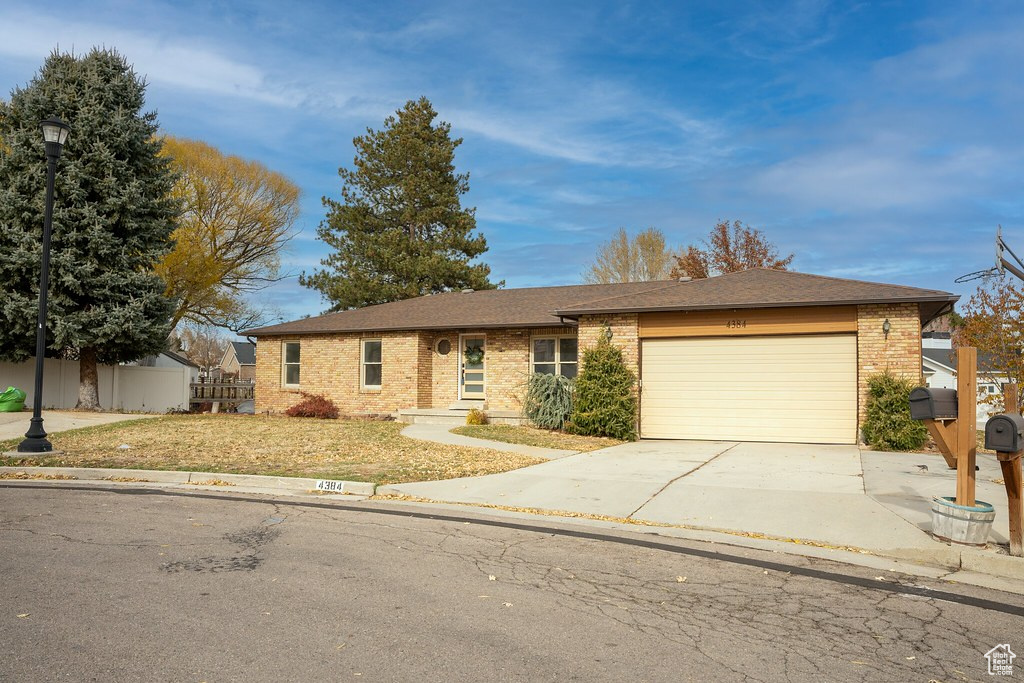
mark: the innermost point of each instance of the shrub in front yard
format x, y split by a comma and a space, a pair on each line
888, 425
313, 405
548, 401
476, 417
604, 402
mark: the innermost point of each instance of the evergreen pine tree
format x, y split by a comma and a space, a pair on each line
112, 219
604, 402
400, 230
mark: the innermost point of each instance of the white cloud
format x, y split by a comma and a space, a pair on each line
877, 175
179, 63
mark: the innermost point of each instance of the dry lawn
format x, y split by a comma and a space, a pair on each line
532, 436
281, 446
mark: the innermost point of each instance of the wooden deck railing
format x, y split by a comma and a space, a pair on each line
212, 391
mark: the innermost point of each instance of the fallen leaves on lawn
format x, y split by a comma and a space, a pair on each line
355, 450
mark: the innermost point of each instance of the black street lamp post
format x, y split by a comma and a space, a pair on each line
55, 134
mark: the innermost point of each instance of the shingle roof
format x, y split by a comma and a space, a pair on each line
548, 306
177, 357
760, 288
947, 357
490, 308
245, 353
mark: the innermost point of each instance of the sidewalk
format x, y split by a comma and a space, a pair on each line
14, 425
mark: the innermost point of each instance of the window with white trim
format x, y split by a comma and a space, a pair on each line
555, 356
372, 368
291, 353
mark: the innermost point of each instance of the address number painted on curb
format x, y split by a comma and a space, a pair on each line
330, 485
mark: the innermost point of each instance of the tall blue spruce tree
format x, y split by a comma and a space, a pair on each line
113, 218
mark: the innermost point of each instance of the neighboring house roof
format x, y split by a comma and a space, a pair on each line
245, 352
947, 359
548, 306
180, 359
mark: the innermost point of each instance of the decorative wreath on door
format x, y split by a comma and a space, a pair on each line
473, 354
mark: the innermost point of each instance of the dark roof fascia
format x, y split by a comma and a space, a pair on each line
942, 310
453, 328
569, 313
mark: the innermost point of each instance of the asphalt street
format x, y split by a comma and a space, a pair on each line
135, 584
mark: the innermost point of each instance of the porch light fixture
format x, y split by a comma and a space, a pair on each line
886, 326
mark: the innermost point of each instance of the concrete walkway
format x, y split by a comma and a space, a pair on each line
440, 434
14, 425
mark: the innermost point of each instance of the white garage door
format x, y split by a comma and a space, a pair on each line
800, 389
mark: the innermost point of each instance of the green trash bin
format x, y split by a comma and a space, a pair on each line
12, 400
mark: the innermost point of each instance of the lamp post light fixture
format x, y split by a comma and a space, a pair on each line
55, 134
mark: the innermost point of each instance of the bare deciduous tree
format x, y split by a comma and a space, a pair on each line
640, 259
729, 249
204, 345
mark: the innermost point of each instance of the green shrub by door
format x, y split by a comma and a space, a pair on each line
888, 425
604, 402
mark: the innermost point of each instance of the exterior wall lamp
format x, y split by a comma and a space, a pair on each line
886, 327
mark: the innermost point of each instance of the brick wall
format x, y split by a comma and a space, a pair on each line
900, 353
625, 335
330, 365
414, 374
444, 383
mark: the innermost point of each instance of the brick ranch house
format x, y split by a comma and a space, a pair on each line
760, 355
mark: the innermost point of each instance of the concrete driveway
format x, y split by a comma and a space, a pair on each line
809, 492
14, 425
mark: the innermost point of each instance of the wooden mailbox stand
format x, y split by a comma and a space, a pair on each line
1010, 463
957, 438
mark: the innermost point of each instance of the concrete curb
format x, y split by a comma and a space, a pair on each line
933, 562
358, 488
948, 557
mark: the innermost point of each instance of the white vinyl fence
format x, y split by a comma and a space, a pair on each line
122, 387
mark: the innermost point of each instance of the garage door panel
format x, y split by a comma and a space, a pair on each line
721, 412
783, 388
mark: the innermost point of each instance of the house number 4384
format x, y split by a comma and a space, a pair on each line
734, 324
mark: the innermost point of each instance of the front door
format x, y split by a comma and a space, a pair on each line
471, 376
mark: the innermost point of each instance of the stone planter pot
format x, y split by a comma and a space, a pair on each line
961, 524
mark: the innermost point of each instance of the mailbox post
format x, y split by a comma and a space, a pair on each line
961, 518
1010, 463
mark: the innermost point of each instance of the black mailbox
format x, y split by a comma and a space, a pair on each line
1005, 433
932, 404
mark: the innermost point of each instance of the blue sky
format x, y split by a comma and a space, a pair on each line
879, 141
